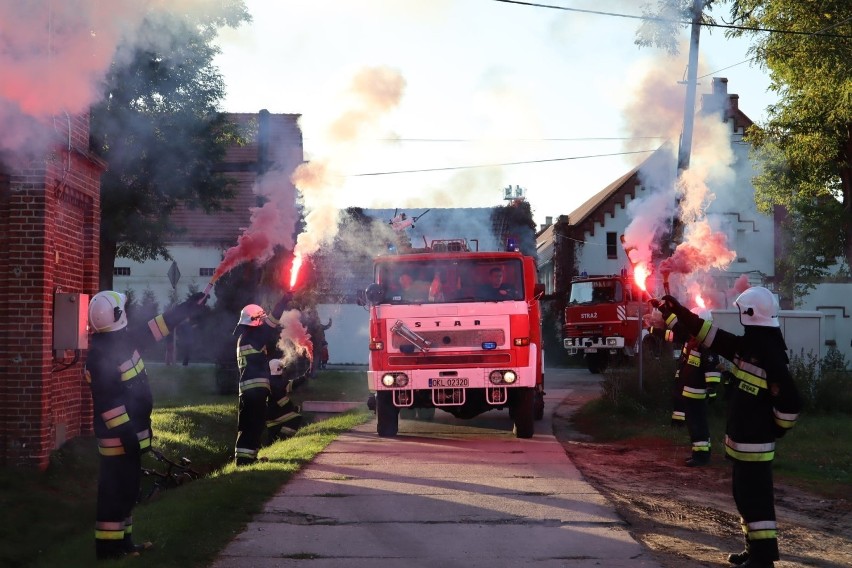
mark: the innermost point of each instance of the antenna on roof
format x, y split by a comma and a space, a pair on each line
512, 193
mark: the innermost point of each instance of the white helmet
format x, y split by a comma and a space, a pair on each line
106, 312
276, 366
758, 306
252, 315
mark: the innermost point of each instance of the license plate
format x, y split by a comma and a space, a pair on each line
591, 350
448, 383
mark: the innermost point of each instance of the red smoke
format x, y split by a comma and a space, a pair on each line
703, 250
256, 241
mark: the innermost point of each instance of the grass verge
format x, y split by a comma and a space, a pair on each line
49, 517
816, 455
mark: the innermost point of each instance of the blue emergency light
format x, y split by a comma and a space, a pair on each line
488, 345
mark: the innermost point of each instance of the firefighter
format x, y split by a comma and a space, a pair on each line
764, 405
675, 335
257, 337
122, 404
700, 375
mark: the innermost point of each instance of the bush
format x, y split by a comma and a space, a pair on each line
823, 384
620, 386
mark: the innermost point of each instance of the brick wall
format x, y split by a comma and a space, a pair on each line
50, 210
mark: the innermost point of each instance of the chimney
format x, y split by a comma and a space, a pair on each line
720, 86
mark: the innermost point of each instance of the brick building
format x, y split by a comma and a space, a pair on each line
49, 211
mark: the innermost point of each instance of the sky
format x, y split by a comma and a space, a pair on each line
444, 103
408, 104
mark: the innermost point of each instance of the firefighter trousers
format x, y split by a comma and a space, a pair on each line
251, 421
119, 479
282, 416
755, 499
697, 426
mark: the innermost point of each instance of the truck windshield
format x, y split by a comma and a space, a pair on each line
420, 281
596, 291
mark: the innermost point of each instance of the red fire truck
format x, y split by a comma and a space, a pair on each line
455, 329
603, 320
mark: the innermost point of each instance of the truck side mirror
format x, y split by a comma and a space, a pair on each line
374, 294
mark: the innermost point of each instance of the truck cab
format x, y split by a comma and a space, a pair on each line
603, 318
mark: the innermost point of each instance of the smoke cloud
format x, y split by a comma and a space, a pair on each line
658, 107
55, 55
373, 93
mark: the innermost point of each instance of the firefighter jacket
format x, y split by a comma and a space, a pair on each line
121, 395
699, 371
254, 348
764, 404
256, 345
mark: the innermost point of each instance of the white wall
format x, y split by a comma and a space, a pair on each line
592, 257
802, 330
834, 301
349, 335
153, 274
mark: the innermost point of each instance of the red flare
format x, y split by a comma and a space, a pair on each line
640, 275
294, 270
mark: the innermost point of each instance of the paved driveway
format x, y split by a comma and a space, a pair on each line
448, 493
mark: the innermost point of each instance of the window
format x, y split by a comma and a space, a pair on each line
611, 245
121, 271
206, 271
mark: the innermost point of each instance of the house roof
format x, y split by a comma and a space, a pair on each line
544, 245
595, 209
274, 141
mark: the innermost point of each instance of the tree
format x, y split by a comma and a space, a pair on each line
159, 129
805, 146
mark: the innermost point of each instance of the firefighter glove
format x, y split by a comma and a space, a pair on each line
667, 305
130, 442
191, 307
282, 304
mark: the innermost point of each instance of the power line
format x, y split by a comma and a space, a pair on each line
840, 23
667, 20
582, 139
500, 165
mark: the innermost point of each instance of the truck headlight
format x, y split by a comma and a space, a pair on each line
502, 377
395, 379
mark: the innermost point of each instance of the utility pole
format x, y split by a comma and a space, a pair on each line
685, 147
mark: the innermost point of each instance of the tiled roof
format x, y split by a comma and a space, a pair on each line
275, 141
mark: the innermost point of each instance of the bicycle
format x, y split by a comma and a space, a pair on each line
176, 473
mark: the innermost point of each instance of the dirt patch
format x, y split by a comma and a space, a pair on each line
686, 516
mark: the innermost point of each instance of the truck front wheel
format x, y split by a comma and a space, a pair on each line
387, 415
523, 412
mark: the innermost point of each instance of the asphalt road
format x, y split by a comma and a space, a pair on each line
447, 493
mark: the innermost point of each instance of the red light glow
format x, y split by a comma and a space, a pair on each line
294, 270
699, 301
640, 275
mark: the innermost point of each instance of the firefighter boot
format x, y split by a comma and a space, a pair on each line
738, 558
134, 549
698, 459
755, 563
111, 549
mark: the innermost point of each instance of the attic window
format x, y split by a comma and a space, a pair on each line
611, 245
206, 271
121, 271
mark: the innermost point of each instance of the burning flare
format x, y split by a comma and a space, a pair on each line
294, 269
640, 275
